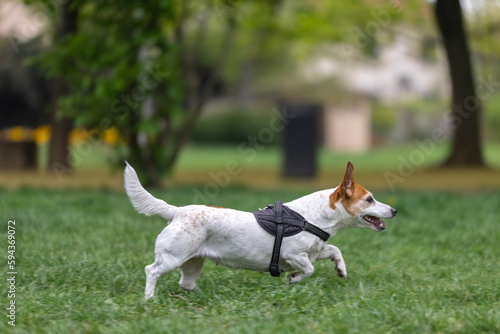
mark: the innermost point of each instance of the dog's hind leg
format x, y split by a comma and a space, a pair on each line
164, 263
191, 269
304, 266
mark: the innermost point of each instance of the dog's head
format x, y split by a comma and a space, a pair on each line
359, 203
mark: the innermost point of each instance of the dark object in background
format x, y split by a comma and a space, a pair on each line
18, 155
466, 147
300, 140
24, 95
24, 91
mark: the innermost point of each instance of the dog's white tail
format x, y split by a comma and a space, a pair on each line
143, 201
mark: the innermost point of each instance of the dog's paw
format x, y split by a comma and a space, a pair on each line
188, 287
340, 267
341, 272
294, 277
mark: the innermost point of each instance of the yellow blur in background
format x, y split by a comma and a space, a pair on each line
41, 135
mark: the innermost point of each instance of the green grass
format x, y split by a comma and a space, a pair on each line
215, 157
382, 158
81, 254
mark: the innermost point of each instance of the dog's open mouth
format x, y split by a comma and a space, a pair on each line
375, 221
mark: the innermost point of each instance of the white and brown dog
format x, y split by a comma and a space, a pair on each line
234, 238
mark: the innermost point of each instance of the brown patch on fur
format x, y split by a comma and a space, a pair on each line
348, 192
334, 197
359, 193
217, 207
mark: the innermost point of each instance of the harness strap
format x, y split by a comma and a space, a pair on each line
316, 231
273, 267
280, 222
304, 225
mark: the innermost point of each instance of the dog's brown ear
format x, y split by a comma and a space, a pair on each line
346, 188
348, 182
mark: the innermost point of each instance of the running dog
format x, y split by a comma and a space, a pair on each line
234, 238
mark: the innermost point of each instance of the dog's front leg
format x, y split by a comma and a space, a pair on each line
333, 253
303, 265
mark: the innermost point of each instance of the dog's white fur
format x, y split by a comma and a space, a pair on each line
233, 238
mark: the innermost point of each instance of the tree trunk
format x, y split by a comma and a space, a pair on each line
466, 107
59, 143
59, 160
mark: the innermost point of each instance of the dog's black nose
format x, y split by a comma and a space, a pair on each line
394, 211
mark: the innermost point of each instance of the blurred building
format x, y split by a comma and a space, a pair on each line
347, 125
400, 72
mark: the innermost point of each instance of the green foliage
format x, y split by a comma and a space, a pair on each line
434, 269
491, 123
383, 118
484, 36
129, 65
231, 127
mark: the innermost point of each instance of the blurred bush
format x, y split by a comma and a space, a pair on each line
231, 127
384, 118
492, 118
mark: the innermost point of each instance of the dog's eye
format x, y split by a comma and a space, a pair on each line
369, 199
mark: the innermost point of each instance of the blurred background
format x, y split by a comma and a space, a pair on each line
264, 94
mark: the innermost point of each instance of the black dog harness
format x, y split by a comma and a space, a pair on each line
281, 221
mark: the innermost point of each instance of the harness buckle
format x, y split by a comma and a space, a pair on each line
303, 225
274, 270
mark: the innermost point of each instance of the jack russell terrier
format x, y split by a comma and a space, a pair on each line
234, 238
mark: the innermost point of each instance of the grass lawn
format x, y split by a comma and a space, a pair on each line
196, 157
80, 259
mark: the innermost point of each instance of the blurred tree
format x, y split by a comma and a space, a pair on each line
61, 125
466, 106
137, 66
